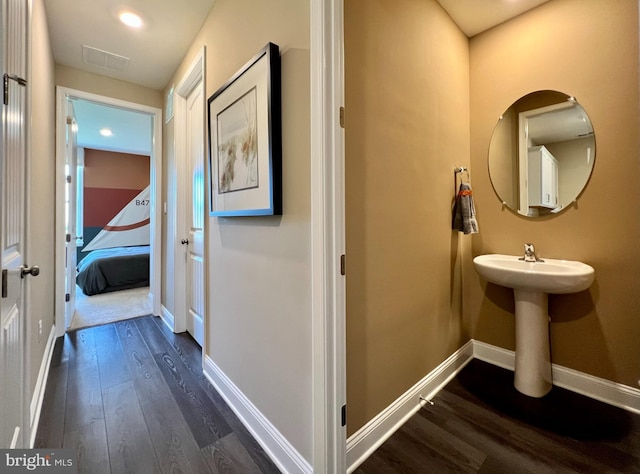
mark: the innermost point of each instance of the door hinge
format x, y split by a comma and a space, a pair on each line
342, 117
343, 265
5, 275
69, 178
67, 297
344, 415
69, 120
13, 77
68, 238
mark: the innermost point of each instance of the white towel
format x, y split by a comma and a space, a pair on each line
464, 211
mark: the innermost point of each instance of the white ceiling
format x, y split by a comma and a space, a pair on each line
559, 125
132, 131
154, 51
476, 16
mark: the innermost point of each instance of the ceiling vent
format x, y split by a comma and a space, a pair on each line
104, 59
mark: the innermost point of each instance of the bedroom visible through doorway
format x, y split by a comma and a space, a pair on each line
113, 233
117, 182
110, 307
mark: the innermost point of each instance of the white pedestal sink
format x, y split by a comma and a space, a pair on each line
531, 283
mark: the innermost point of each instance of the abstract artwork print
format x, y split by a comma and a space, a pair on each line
238, 145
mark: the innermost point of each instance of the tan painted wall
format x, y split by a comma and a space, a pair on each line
258, 328
407, 127
588, 49
106, 86
41, 191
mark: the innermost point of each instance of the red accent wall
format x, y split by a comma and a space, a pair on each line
102, 204
111, 170
111, 180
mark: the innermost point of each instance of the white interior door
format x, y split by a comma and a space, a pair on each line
195, 213
70, 209
13, 406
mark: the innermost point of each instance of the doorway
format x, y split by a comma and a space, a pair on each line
112, 241
65, 96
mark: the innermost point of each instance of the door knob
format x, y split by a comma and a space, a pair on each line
33, 270
184, 241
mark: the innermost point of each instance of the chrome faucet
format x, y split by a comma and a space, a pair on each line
530, 254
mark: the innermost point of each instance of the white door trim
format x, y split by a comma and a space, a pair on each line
27, 343
327, 236
72, 211
177, 176
156, 193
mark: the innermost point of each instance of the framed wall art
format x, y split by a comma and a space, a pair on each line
245, 140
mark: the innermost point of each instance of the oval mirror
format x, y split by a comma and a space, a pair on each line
541, 153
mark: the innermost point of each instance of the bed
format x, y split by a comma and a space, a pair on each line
113, 269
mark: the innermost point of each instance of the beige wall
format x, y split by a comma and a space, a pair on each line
41, 192
258, 325
106, 86
407, 127
588, 49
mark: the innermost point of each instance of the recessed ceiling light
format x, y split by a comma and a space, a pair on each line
130, 19
105, 132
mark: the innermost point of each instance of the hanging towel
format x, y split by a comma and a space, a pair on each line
464, 212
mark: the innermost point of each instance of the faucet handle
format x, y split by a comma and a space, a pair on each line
529, 248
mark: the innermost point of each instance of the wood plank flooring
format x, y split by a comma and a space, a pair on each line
130, 397
479, 423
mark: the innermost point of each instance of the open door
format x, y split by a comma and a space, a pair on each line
70, 210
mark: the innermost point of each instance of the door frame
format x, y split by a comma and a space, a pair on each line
327, 236
155, 275
71, 247
194, 76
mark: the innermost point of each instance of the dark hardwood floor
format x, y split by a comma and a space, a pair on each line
130, 397
480, 424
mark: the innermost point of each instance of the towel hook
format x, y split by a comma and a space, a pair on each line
462, 169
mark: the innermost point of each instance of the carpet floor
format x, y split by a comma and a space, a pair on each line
110, 307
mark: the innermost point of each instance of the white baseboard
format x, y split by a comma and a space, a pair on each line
494, 355
41, 386
279, 449
167, 318
612, 393
367, 439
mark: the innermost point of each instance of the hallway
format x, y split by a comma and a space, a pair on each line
131, 397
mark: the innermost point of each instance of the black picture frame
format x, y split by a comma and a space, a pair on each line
245, 140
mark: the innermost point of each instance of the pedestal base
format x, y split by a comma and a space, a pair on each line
533, 354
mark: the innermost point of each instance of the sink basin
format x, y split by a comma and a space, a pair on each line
550, 276
531, 282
